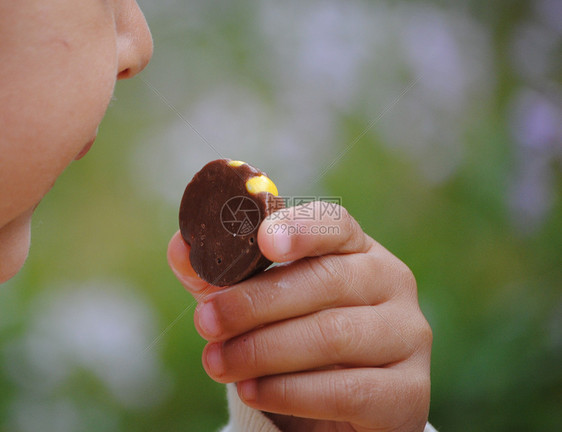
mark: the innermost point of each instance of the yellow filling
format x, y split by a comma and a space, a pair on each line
258, 184
236, 163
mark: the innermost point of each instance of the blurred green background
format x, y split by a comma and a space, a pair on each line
439, 123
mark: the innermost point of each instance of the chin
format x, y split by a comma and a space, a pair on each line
15, 239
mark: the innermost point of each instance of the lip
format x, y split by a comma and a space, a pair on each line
85, 149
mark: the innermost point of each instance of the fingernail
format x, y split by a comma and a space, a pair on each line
282, 242
207, 319
248, 390
214, 360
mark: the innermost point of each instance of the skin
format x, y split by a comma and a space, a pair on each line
345, 304
60, 62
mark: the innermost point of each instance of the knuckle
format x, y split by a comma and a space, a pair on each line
320, 270
245, 306
350, 395
333, 269
251, 302
419, 334
407, 276
406, 280
327, 276
285, 393
365, 279
246, 351
425, 335
416, 402
352, 231
337, 333
411, 405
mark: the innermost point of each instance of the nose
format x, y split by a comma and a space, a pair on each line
134, 41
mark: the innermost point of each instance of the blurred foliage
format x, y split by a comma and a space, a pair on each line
490, 288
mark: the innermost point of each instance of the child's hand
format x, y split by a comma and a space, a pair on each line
332, 340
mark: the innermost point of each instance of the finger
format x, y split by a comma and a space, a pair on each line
371, 399
178, 260
303, 287
361, 336
318, 228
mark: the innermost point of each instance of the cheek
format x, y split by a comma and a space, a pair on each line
78, 92
59, 91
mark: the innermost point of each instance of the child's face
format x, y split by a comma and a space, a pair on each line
59, 61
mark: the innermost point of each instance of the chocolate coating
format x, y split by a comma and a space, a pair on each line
219, 219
